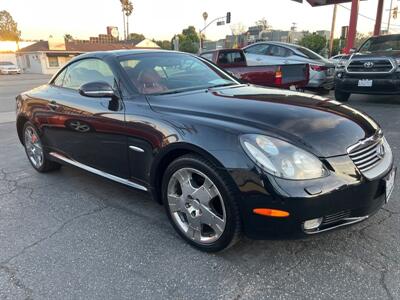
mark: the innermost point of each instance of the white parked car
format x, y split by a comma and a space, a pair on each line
7, 67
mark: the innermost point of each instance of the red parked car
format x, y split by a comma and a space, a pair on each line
294, 76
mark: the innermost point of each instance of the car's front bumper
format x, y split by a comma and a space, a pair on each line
338, 198
388, 84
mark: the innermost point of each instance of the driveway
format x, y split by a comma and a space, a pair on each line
73, 235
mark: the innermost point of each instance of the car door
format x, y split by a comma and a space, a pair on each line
88, 130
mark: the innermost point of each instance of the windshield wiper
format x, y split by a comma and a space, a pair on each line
222, 85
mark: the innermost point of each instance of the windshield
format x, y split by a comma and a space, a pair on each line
6, 63
381, 43
308, 53
166, 73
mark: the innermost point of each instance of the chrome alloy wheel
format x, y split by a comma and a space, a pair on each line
196, 205
33, 146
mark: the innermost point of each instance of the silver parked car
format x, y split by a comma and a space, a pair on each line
276, 53
7, 67
339, 57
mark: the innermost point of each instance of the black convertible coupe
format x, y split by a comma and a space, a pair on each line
223, 157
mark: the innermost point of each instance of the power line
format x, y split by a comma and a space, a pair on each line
369, 18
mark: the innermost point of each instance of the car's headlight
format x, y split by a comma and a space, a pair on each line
281, 158
398, 64
341, 64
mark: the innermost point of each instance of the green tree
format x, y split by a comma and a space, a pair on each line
164, 44
136, 37
337, 47
314, 42
189, 40
8, 27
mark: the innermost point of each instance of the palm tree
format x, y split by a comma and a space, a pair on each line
128, 12
127, 9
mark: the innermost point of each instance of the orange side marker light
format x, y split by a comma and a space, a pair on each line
269, 212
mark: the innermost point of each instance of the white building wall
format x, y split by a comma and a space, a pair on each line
38, 63
30, 62
62, 60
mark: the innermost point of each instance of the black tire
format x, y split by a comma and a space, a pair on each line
342, 96
232, 231
323, 91
46, 164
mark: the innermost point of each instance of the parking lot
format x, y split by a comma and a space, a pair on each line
73, 235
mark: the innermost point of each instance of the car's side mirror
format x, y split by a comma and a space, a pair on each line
98, 89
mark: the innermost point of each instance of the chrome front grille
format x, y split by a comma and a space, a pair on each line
369, 156
370, 66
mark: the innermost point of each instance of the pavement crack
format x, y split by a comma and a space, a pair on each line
59, 229
16, 282
384, 285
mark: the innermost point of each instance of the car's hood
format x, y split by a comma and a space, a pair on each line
374, 54
324, 126
9, 67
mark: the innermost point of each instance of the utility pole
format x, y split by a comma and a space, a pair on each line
378, 20
332, 29
390, 16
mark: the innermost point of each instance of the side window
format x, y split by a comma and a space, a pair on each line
207, 56
278, 51
257, 49
230, 57
85, 71
60, 78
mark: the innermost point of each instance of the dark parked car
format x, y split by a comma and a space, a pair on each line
294, 76
223, 157
373, 69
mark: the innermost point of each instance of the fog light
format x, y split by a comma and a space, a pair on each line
339, 75
312, 224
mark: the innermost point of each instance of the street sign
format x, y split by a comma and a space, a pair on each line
219, 23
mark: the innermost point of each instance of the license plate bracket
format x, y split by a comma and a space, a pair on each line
389, 184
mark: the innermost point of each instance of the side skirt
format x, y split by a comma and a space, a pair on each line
98, 172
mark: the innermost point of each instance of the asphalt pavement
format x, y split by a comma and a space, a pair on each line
73, 235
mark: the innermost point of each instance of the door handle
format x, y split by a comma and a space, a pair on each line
53, 105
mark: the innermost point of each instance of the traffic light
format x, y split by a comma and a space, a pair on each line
228, 17
394, 12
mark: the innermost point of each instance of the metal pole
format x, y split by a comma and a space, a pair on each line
390, 16
352, 25
332, 30
378, 21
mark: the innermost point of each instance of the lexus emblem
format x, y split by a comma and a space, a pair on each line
368, 64
380, 151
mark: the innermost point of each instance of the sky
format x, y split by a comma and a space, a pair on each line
161, 19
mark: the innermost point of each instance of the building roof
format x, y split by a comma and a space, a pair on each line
78, 47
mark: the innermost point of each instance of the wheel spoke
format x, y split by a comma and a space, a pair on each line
211, 219
175, 203
194, 234
184, 178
